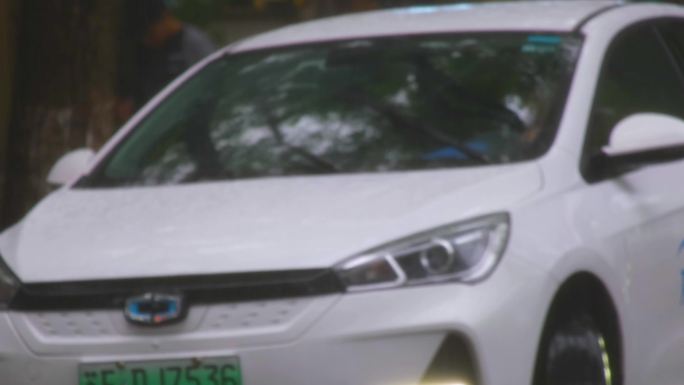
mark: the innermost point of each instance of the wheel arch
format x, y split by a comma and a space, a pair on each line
585, 291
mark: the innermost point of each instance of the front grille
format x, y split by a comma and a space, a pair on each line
242, 317
197, 289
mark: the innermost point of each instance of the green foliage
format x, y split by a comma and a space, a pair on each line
203, 12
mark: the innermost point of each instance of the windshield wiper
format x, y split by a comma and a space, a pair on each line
396, 118
274, 127
469, 103
390, 113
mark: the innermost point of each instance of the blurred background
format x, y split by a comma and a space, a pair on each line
69, 69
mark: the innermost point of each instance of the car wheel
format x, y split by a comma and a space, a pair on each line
574, 352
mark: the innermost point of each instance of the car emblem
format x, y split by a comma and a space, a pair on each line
153, 309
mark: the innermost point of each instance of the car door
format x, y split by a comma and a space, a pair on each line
640, 74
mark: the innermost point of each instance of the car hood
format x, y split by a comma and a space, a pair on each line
249, 225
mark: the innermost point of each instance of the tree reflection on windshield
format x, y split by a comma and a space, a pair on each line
356, 106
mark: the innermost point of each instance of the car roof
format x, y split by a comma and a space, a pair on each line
549, 16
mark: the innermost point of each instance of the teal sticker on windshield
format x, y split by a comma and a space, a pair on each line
544, 39
435, 8
541, 44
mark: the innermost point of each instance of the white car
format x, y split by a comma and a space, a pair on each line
471, 194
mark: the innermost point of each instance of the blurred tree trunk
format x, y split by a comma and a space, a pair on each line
7, 36
64, 90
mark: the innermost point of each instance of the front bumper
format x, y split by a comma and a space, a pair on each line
387, 337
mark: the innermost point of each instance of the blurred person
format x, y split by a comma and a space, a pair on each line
165, 48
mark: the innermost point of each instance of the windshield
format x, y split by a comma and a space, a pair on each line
370, 105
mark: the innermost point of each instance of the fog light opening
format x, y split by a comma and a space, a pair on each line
452, 364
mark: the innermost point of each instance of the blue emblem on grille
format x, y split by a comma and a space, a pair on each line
154, 309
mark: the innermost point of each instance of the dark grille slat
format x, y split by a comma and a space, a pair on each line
198, 289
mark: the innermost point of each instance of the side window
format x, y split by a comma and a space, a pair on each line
638, 75
673, 34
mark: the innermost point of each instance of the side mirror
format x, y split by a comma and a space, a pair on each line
644, 133
638, 140
70, 166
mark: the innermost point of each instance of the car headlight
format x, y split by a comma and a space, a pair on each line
463, 252
9, 285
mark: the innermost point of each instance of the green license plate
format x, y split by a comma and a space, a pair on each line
206, 371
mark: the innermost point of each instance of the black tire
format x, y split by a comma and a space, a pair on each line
574, 352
